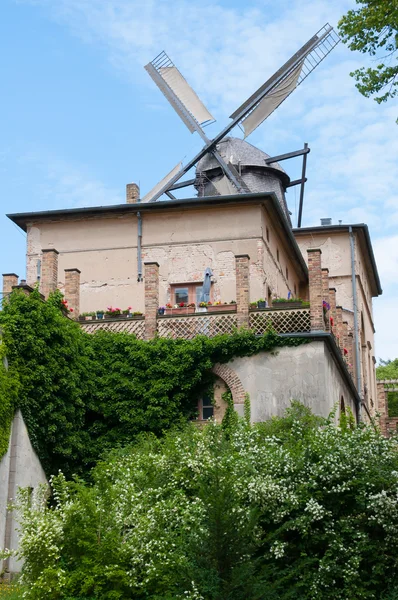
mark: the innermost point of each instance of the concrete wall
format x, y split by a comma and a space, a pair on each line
183, 242
307, 373
20, 467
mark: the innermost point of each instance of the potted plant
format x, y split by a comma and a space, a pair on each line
221, 307
192, 306
253, 305
100, 314
180, 309
161, 310
202, 307
261, 303
113, 313
287, 303
137, 313
169, 309
127, 312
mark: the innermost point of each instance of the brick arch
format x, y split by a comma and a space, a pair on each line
232, 380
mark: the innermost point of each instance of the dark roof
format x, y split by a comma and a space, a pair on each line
22, 219
362, 228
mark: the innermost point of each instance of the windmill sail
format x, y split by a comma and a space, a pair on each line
179, 93
278, 87
154, 191
271, 101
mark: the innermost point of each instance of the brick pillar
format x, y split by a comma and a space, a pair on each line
242, 264
326, 296
9, 281
132, 193
382, 407
72, 291
339, 327
49, 271
333, 312
151, 279
350, 355
315, 288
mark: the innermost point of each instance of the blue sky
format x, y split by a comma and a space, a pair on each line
80, 117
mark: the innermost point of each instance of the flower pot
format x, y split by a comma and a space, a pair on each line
100, 315
262, 304
161, 311
201, 309
221, 308
177, 311
81, 318
287, 305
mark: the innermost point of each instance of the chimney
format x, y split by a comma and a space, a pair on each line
132, 193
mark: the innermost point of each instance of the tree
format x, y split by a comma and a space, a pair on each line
373, 29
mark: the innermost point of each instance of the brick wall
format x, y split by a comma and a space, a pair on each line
242, 265
49, 272
326, 296
9, 280
151, 282
132, 193
72, 290
315, 289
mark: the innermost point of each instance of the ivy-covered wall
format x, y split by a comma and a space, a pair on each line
81, 395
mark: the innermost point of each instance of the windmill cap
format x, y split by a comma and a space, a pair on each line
240, 153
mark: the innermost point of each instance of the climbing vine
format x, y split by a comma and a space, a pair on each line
81, 395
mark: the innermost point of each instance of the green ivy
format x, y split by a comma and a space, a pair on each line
82, 394
8, 401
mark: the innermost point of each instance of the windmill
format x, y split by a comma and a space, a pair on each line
258, 107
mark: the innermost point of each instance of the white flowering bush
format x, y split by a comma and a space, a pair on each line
293, 508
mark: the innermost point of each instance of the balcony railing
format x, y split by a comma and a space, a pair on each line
189, 326
135, 326
291, 320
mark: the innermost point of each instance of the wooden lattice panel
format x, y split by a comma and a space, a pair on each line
135, 326
201, 324
293, 320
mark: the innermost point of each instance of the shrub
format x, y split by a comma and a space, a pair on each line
295, 508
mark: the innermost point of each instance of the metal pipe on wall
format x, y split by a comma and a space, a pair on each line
356, 330
139, 250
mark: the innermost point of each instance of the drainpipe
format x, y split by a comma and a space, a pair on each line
139, 252
356, 330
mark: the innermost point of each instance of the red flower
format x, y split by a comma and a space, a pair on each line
182, 304
331, 321
71, 310
345, 351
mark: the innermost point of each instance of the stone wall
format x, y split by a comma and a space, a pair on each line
307, 373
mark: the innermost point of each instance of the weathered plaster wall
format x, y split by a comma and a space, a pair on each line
280, 272
307, 373
336, 256
20, 467
183, 242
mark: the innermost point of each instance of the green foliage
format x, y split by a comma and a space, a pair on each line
81, 395
388, 369
373, 29
8, 400
291, 509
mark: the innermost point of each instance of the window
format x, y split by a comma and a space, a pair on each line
207, 407
277, 254
188, 293
267, 233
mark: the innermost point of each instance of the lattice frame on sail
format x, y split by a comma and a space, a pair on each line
201, 324
282, 321
134, 326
